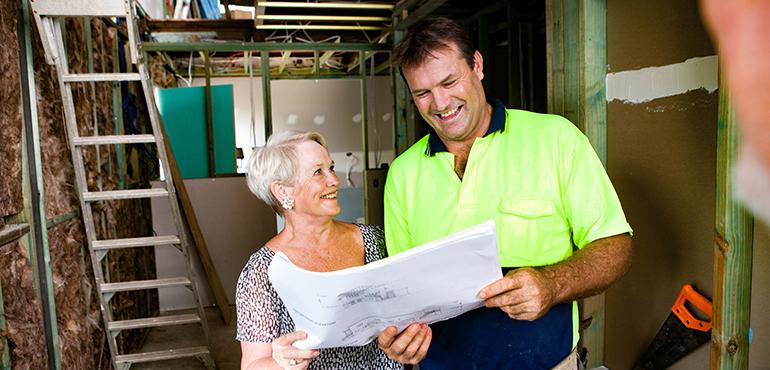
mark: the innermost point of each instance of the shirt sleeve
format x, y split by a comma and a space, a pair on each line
590, 201
379, 238
397, 237
255, 304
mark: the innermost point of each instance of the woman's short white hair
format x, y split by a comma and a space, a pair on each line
277, 161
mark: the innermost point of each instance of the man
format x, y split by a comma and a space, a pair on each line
740, 29
536, 175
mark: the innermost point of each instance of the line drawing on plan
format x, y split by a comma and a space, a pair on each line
426, 315
366, 293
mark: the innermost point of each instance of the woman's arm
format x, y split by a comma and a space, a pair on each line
278, 355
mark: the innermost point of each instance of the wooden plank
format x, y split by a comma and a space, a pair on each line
113, 139
209, 114
145, 284
12, 232
592, 119
93, 196
267, 104
5, 356
73, 8
192, 223
92, 77
555, 55
572, 50
40, 255
144, 241
426, 8
200, 25
152, 322
593, 102
403, 120
733, 248
576, 62
168, 354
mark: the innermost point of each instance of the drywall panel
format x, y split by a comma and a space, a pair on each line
662, 160
234, 224
654, 33
331, 107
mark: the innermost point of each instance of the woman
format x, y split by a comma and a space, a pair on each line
295, 176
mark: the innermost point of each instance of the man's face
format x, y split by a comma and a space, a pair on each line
449, 95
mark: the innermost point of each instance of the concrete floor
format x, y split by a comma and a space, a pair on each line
226, 350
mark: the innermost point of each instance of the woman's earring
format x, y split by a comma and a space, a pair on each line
287, 203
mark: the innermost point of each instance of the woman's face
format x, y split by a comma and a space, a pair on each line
315, 191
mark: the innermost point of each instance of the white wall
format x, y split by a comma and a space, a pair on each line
154, 8
234, 224
331, 107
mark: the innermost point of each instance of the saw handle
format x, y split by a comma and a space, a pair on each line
688, 294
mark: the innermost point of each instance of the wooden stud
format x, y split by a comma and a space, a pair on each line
267, 107
41, 262
5, 356
733, 247
576, 59
209, 114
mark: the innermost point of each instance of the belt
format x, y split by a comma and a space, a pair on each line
568, 363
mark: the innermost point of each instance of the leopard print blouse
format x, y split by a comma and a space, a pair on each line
262, 317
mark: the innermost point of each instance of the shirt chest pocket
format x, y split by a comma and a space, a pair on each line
525, 230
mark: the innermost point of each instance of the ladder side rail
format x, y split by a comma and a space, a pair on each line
133, 33
181, 232
45, 29
152, 109
62, 68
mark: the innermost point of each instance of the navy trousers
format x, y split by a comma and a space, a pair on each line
486, 338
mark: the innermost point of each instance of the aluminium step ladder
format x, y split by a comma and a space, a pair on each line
49, 17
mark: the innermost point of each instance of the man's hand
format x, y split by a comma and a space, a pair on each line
528, 293
409, 347
524, 294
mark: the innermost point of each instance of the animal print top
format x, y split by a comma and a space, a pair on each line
262, 317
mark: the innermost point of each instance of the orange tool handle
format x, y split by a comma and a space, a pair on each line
688, 294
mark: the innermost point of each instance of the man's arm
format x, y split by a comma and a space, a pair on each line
528, 293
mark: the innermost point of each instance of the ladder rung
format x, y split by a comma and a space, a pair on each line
145, 284
151, 322
75, 8
113, 139
134, 242
88, 77
93, 196
168, 354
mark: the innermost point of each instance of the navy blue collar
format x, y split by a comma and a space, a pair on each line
435, 145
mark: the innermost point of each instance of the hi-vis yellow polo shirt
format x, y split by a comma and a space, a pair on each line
535, 174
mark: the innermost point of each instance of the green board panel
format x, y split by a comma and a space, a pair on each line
224, 129
184, 113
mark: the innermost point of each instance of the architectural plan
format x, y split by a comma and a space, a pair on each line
433, 282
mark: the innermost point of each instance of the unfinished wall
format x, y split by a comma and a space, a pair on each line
662, 160
79, 322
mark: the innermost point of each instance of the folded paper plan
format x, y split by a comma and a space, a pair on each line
433, 282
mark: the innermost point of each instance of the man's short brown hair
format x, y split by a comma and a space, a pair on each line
430, 35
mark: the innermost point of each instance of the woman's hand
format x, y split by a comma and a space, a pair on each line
289, 357
409, 347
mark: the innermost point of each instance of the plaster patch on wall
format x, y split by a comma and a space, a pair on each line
650, 83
